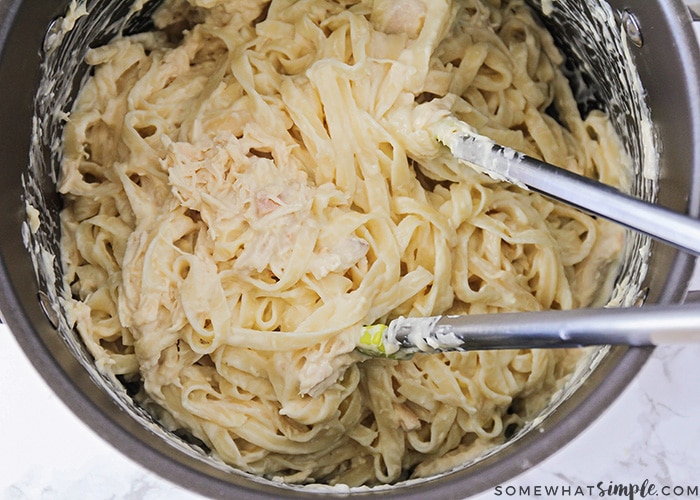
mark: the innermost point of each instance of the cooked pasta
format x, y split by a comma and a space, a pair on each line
250, 183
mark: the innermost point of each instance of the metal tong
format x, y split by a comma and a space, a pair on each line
638, 326
650, 325
502, 163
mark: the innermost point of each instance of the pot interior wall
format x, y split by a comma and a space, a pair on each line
31, 281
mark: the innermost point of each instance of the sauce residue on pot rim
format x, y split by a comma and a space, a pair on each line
241, 198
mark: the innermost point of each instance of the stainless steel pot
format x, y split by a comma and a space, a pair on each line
657, 35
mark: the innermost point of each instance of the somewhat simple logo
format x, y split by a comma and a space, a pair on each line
601, 489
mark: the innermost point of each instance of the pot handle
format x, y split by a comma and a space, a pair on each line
694, 9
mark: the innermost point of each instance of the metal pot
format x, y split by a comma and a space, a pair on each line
656, 35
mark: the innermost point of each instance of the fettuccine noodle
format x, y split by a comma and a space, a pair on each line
250, 183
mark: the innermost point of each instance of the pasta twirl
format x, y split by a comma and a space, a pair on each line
251, 182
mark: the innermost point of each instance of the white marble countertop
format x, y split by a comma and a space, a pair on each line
646, 445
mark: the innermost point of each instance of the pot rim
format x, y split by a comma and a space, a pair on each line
98, 412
